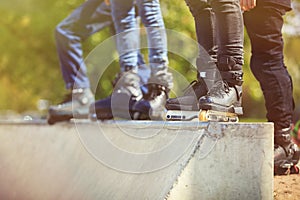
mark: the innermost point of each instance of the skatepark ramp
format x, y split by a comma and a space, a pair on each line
136, 160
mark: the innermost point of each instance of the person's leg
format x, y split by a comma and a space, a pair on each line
127, 84
207, 72
151, 17
205, 26
90, 17
160, 81
226, 95
127, 34
267, 62
143, 69
264, 25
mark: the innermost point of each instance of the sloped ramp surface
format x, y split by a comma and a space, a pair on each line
135, 160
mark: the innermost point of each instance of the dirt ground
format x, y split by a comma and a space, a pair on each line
287, 187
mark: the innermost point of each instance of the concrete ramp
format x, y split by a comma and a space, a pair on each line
136, 160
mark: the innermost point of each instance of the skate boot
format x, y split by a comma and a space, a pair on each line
225, 96
207, 75
152, 106
286, 153
75, 105
190, 99
222, 97
119, 105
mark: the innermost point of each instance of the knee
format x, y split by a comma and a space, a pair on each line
266, 65
256, 66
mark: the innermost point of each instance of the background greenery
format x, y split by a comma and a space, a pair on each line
29, 65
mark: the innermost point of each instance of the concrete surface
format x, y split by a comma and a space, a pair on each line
240, 166
136, 160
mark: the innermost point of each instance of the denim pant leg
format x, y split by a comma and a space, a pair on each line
90, 17
151, 17
230, 32
264, 24
205, 24
123, 13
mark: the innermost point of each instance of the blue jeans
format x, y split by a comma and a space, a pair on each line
264, 24
219, 29
123, 13
89, 18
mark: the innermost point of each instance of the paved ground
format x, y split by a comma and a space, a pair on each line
287, 187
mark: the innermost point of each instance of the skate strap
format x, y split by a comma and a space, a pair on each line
77, 91
232, 77
282, 138
228, 63
210, 74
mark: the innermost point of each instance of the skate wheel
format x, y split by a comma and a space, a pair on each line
203, 116
233, 119
51, 121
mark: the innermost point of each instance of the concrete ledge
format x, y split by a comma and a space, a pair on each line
136, 160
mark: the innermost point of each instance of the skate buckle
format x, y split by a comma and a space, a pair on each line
288, 167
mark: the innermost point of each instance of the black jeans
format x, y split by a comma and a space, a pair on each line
264, 24
219, 29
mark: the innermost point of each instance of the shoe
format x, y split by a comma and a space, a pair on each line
152, 107
286, 153
75, 105
222, 97
119, 104
226, 93
190, 99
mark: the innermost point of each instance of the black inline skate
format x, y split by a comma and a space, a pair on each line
225, 96
119, 104
286, 153
75, 105
152, 106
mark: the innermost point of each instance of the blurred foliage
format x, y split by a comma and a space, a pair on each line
29, 65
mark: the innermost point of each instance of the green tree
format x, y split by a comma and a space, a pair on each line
29, 65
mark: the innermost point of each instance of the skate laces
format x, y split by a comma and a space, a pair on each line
219, 89
128, 82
